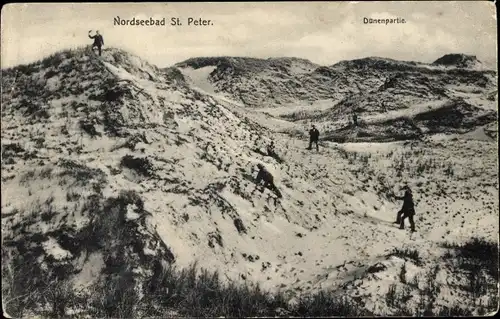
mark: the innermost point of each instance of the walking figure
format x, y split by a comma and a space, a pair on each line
355, 119
313, 137
268, 179
98, 41
407, 211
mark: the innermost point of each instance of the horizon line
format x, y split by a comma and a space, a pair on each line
85, 47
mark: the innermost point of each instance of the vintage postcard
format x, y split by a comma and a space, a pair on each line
252, 159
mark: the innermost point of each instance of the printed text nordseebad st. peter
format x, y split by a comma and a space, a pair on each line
174, 21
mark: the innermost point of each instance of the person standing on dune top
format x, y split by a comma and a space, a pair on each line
98, 41
313, 138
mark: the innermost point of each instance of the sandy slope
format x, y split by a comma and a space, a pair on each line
376, 225
333, 223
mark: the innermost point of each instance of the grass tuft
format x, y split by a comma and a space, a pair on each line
407, 254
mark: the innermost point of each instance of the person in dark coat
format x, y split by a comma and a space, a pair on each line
407, 211
98, 41
268, 179
271, 150
355, 119
313, 137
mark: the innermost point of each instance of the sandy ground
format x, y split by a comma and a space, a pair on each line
332, 224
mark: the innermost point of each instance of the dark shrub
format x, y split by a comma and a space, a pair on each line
140, 165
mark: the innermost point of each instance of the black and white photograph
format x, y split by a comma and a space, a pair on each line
249, 159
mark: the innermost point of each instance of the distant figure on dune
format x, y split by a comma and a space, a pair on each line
355, 119
313, 138
408, 209
268, 179
98, 41
270, 149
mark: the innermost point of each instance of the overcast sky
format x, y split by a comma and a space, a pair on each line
323, 32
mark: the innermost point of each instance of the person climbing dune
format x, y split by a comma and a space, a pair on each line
271, 151
268, 179
98, 41
408, 209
